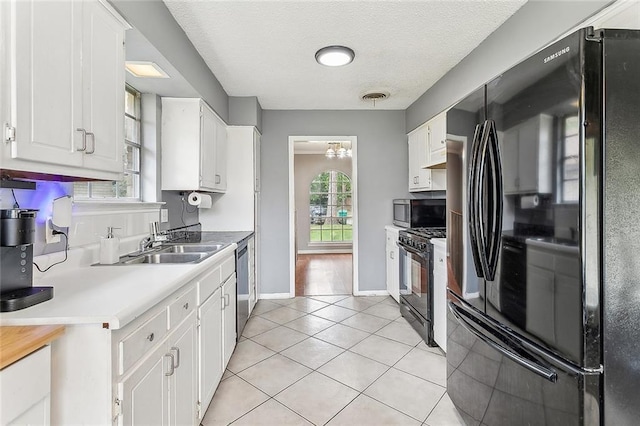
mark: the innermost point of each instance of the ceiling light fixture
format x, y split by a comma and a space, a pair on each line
336, 150
145, 69
335, 56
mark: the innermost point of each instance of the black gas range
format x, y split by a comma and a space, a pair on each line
416, 278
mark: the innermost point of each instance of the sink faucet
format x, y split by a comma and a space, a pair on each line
156, 236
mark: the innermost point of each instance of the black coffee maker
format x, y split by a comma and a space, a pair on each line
17, 235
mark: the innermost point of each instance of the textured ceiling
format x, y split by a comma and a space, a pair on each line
266, 48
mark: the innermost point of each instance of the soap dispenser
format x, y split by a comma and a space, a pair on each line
109, 248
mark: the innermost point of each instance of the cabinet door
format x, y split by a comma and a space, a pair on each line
540, 303
103, 88
229, 318
46, 90
509, 148
528, 140
207, 148
221, 156
438, 133
413, 161
256, 160
440, 298
210, 356
419, 178
144, 394
183, 394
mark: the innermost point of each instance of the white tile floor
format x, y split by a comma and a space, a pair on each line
335, 360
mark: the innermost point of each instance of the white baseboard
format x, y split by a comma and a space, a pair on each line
325, 251
371, 293
274, 296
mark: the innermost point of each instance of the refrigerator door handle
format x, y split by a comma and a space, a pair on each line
495, 195
532, 366
484, 193
472, 201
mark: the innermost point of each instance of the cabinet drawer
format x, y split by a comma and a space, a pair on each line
208, 284
136, 344
180, 308
227, 268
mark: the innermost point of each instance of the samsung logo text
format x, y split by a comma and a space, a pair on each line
555, 55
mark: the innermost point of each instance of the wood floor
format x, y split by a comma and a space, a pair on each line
324, 274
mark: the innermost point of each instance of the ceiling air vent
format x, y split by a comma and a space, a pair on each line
375, 97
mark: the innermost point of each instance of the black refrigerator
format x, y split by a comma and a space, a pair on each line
543, 200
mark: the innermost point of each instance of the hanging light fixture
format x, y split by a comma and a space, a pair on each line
331, 153
341, 152
336, 150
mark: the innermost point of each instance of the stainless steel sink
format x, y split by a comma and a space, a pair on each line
157, 258
173, 253
192, 248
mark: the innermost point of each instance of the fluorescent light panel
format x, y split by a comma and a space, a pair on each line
145, 69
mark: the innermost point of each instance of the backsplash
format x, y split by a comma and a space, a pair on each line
89, 219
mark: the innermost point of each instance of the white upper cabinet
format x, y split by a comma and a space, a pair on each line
419, 178
103, 88
66, 84
438, 132
194, 146
528, 145
437, 141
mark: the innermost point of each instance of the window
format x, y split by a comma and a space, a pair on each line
569, 164
330, 209
129, 186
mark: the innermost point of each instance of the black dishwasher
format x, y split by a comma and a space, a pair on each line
242, 279
513, 280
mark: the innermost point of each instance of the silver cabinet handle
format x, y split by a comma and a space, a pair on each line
223, 298
172, 367
84, 139
177, 357
150, 337
226, 299
186, 306
93, 143
218, 179
391, 254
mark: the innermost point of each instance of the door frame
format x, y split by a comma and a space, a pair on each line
355, 288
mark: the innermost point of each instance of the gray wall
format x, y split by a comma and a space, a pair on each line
382, 176
245, 111
156, 24
536, 24
305, 168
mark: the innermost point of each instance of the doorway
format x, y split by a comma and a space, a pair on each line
323, 215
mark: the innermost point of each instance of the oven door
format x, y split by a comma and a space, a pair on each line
415, 279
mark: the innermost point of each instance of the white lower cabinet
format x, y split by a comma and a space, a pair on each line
393, 262
144, 394
183, 389
162, 389
229, 317
210, 348
171, 359
440, 294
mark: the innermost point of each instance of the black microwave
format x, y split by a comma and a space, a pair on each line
426, 213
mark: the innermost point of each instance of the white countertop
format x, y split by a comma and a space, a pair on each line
114, 295
440, 242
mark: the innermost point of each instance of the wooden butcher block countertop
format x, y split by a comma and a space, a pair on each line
16, 342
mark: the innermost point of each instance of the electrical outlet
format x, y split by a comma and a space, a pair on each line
164, 215
49, 237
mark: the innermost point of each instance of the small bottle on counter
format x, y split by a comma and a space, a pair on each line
110, 248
